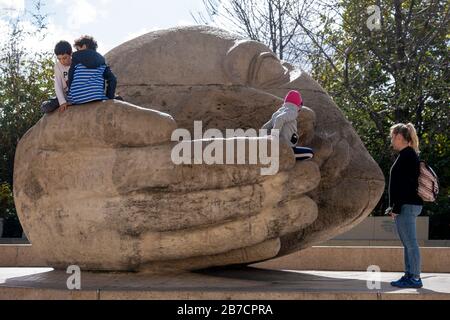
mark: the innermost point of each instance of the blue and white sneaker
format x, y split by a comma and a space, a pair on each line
413, 283
397, 283
303, 153
410, 283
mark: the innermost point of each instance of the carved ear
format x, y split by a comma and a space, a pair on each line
254, 64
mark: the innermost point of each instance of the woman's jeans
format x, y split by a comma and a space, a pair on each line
406, 227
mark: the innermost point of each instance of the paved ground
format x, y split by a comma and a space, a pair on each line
243, 283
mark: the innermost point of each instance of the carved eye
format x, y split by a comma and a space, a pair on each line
252, 63
267, 71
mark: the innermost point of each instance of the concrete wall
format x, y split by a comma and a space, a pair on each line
389, 259
382, 228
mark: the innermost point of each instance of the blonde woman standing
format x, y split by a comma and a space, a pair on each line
405, 204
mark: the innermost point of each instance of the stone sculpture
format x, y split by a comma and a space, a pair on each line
95, 186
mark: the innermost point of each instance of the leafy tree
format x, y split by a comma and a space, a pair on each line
26, 79
397, 72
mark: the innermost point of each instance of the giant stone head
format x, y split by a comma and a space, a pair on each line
96, 186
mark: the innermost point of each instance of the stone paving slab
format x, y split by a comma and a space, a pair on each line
238, 283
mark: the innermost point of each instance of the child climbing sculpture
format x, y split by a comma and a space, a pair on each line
88, 73
285, 120
63, 52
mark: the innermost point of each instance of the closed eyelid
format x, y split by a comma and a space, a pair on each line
255, 69
246, 63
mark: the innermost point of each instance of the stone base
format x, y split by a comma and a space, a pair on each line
236, 284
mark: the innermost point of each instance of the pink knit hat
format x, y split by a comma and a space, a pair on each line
294, 97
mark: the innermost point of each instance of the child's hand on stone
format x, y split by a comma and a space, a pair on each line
63, 107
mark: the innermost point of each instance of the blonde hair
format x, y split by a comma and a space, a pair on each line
408, 132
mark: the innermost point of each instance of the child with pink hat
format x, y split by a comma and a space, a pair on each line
285, 120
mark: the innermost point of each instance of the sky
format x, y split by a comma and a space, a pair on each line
110, 22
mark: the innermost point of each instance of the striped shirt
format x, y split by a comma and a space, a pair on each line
88, 85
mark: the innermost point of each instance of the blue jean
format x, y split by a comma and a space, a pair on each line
406, 227
50, 105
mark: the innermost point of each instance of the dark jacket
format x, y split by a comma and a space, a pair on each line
403, 181
93, 60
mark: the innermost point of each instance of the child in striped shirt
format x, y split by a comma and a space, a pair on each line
88, 73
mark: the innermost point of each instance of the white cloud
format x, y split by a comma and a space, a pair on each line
104, 47
140, 32
12, 4
35, 43
3, 30
54, 33
110, 22
182, 23
80, 12
12, 7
